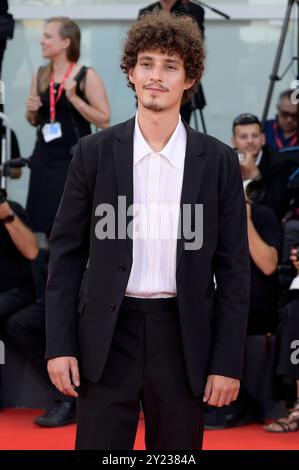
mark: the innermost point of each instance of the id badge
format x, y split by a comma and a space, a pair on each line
52, 131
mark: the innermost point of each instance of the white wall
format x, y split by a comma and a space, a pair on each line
240, 59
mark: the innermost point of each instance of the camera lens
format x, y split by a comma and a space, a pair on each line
255, 191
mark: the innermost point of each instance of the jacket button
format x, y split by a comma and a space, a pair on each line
112, 307
121, 267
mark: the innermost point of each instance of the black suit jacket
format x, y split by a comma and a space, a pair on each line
276, 169
213, 321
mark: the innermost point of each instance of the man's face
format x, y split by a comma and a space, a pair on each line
159, 80
248, 138
287, 115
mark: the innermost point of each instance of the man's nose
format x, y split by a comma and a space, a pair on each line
156, 74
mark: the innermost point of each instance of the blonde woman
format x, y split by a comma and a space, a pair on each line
65, 99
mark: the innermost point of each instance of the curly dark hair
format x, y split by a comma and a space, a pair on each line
172, 34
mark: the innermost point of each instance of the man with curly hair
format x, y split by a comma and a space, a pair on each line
149, 326
184, 7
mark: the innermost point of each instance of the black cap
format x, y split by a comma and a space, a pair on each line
246, 118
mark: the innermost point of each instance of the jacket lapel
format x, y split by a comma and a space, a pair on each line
123, 160
193, 173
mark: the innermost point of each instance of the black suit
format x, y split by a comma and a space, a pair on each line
276, 169
184, 7
212, 322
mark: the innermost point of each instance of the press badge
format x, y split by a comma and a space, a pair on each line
52, 131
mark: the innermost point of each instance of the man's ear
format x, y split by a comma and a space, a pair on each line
189, 84
263, 139
233, 142
131, 76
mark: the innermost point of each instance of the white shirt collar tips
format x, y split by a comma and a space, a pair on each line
174, 150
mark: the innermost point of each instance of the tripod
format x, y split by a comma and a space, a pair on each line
194, 105
274, 75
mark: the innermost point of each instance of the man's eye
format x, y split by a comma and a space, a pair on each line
170, 67
145, 64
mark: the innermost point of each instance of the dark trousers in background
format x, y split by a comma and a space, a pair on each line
2, 49
25, 331
145, 364
13, 300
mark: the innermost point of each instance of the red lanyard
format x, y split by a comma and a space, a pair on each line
53, 102
278, 139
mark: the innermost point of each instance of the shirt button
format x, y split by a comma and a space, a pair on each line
121, 267
111, 307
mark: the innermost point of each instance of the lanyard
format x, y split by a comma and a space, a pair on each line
278, 140
53, 102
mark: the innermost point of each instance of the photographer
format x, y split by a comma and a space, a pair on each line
264, 240
260, 162
18, 246
287, 372
282, 132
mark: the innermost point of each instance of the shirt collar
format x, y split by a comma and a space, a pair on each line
174, 150
259, 157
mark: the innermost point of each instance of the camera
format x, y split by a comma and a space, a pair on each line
241, 156
297, 252
255, 191
3, 195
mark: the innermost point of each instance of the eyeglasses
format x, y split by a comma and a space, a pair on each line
246, 118
286, 114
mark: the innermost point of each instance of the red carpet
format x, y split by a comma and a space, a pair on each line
17, 432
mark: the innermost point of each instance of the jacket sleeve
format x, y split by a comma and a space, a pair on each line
232, 273
68, 247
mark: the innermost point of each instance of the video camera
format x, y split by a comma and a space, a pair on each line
14, 163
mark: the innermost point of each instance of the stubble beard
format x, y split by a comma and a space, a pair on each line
153, 106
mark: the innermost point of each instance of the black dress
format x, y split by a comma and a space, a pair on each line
50, 161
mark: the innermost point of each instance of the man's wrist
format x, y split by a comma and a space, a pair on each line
3, 197
9, 218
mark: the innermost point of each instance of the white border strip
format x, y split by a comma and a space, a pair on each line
129, 12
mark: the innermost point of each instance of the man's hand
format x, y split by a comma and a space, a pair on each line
248, 210
64, 374
248, 167
221, 390
5, 210
294, 259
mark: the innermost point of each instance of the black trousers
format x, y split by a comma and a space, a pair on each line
145, 365
25, 331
